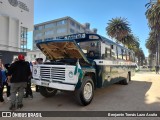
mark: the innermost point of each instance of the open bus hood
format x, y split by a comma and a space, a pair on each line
61, 49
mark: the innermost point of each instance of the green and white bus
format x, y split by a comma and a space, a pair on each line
81, 63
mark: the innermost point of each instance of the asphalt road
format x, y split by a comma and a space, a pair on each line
142, 94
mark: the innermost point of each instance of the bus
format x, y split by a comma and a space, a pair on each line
80, 63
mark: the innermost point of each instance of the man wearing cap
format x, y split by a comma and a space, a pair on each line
18, 75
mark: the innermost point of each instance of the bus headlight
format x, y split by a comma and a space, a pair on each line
70, 74
36, 72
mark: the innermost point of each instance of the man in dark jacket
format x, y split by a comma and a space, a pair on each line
18, 75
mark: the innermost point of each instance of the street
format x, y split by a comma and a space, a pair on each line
142, 94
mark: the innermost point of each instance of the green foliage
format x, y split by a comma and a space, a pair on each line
153, 16
151, 43
118, 28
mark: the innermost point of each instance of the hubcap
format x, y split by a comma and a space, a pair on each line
87, 91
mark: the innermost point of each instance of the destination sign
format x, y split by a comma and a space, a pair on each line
74, 36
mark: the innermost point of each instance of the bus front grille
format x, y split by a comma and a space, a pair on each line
52, 73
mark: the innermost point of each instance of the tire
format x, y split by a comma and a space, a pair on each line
126, 81
85, 93
47, 92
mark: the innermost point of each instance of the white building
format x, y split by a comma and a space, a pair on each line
16, 19
50, 30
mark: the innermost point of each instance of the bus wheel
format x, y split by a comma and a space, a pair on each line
47, 92
126, 80
85, 93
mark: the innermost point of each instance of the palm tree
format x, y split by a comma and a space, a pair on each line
130, 41
118, 28
140, 55
153, 16
151, 43
152, 2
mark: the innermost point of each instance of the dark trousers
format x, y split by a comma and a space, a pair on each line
37, 88
1, 94
28, 89
8, 88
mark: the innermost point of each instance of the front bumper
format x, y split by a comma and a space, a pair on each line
55, 85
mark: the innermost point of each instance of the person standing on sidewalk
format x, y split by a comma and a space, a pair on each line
28, 88
157, 69
5, 83
18, 75
1, 86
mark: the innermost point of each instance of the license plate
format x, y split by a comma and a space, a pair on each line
45, 84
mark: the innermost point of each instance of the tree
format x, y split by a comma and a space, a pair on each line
140, 55
118, 28
130, 41
153, 16
151, 43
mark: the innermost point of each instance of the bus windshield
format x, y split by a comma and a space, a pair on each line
91, 49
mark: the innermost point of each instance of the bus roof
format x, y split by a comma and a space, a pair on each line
82, 37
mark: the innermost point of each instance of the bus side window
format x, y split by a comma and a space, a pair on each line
94, 44
113, 52
124, 54
129, 55
132, 57
107, 53
119, 52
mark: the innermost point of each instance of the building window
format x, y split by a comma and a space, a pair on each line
72, 23
61, 30
38, 27
82, 29
38, 35
62, 22
78, 27
50, 25
24, 38
47, 33
71, 30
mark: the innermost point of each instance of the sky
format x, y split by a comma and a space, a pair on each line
97, 13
